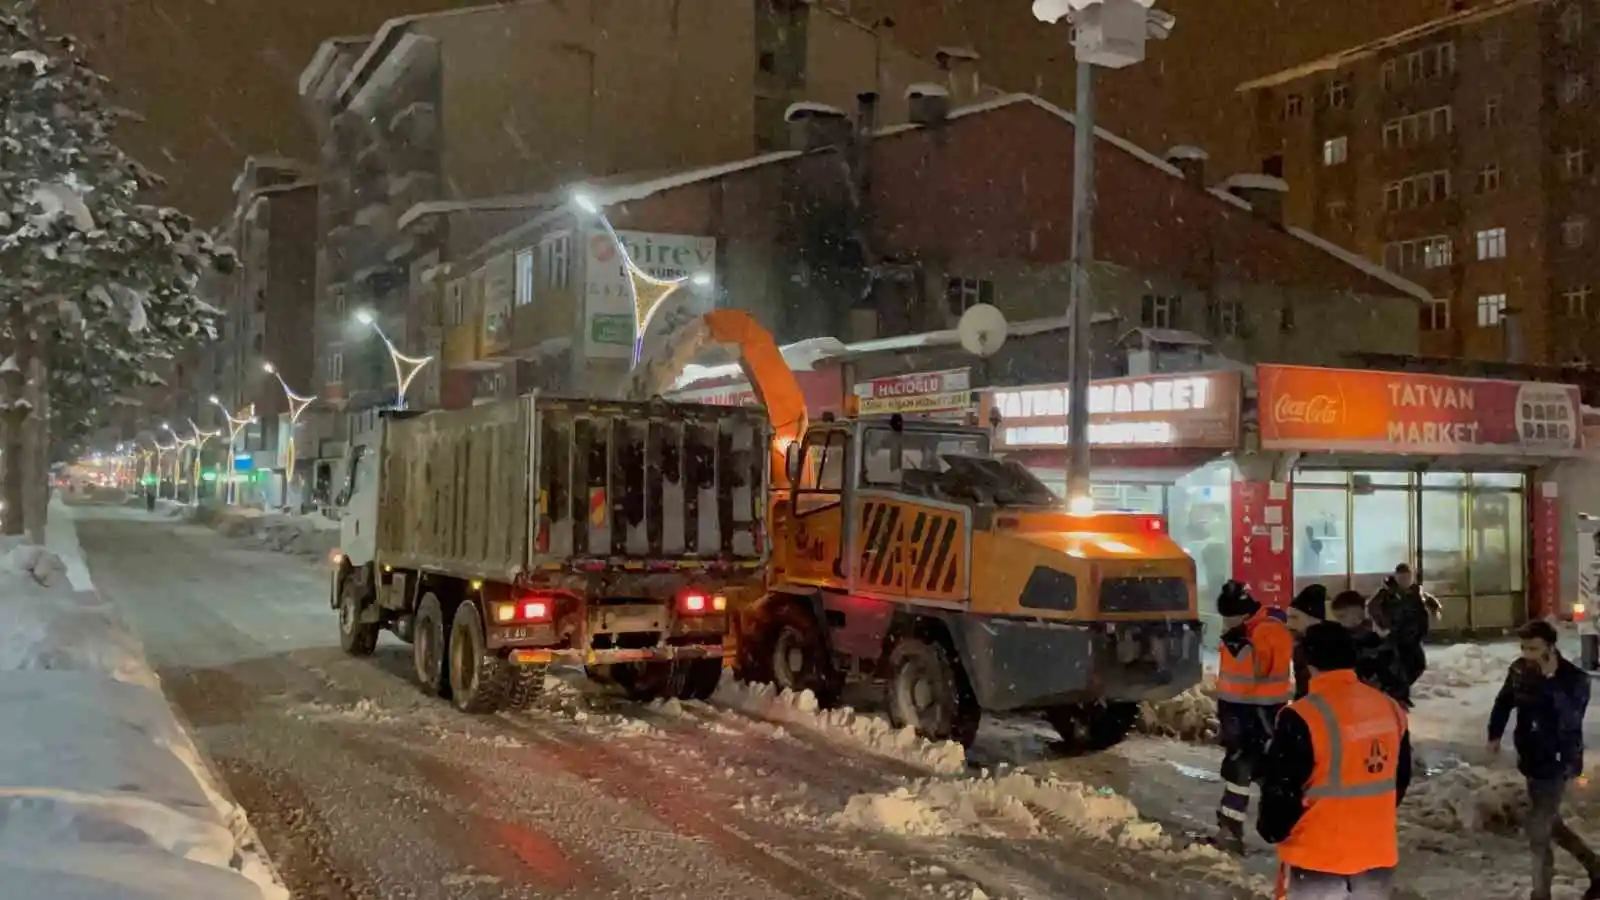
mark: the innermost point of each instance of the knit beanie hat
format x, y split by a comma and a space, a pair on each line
1313, 601
1235, 600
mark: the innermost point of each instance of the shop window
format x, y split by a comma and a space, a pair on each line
1444, 479
1444, 542
1380, 536
1498, 525
1199, 518
1314, 476
1322, 529
1498, 479
1387, 479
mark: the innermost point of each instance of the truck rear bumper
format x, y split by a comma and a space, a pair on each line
1024, 665
535, 657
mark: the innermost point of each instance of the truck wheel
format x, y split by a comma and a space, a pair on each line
1089, 727
479, 680
929, 692
358, 638
799, 657
698, 678
527, 686
429, 647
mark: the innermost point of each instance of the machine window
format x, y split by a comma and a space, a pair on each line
824, 463
921, 451
1049, 589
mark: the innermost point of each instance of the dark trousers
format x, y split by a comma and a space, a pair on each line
1546, 828
1245, 732
1304, 884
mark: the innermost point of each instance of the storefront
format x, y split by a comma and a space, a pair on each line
1159, 444
1389, 467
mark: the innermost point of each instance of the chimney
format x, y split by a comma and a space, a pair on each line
929, 103
813, 126
866, 116
1264, 193
960, 65
861, 147
1191, 161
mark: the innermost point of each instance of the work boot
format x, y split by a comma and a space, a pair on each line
1229, 837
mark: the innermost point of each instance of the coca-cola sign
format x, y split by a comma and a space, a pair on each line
1320, 409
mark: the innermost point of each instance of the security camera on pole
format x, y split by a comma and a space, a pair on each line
1109, 33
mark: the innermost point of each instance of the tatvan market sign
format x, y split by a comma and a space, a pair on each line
1189, 410
1360, 410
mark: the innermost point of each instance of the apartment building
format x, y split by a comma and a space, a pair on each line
1182, 270
521, 97
1461, 154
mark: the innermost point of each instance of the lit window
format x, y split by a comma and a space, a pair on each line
1489, 179
1492, 243
1576, 301
1335, 151
1436, 315
524, 277
336, 368
1575, 231
1491, 310
1433, 252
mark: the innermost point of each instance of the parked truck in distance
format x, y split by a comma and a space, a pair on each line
504, 538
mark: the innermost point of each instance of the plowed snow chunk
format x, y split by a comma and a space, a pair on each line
1467, 800
1190, 716
843, 725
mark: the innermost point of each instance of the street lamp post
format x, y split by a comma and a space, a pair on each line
297, 405
179, 444
405, 367
199, 440
236, 424
1110, 33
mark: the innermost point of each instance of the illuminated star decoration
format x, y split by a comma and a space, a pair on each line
648, 292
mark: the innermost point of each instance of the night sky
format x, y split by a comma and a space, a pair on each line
215, 79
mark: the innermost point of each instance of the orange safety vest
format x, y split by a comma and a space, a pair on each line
1348, 826
1263, 672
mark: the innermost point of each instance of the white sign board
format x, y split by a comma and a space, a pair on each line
608, 318
920, 393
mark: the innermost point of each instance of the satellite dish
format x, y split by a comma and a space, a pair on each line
982, 330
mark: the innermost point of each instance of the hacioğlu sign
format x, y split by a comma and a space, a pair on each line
1189, 410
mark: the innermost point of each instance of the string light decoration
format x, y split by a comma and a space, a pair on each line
405, 367
298, 404
199, 443
236, 424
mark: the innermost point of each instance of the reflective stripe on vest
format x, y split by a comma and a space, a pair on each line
1335, 786
1236, 687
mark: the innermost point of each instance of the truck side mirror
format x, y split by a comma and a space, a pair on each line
794, 462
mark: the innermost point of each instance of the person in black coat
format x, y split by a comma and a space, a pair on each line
1377, 658
1308, 608
1403, 608
1550, 696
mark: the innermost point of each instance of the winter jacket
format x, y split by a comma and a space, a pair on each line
1287, 770
1379, 664
1407, 613
1302, 674
1549, 731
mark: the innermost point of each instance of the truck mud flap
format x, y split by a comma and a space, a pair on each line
608, 657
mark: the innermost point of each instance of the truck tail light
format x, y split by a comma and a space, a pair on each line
696, 602
526, 609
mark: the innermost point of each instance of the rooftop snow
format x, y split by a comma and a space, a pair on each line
1365, 265
806, 108
957, 53
1176, 336
927, 89
1230, 198
1187, 151
1255, 181
1362, 51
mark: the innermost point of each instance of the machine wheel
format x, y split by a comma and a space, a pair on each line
358, 638
797, 656
690, 679
527, 686
1092, 726
480, 681
430, 647
929, 692
698, 678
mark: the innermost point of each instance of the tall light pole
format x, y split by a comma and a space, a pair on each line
297, 405
199, 439
405, 367
1109, 33
236, 424
179, 444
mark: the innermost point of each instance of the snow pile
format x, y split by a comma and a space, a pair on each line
1190, 716
104, 796
1468, 800
1462, 666
309, 535
842, 725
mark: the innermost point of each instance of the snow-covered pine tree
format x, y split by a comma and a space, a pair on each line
83, 264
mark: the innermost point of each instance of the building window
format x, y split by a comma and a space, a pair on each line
1491, 310
1489, 179
1335, 151
1417, 191
1227, 317
1391, 75
1492, 243
962, 294
1293, 106
524, 277
1338, 93
1574, 232
1491, 112
1571, 23
336, 368
1429, 63
1574, 87
1575, 163
1337, 214
1418, 128
557, 251
1434, 252
1576, 301
1436, 314
1156, 311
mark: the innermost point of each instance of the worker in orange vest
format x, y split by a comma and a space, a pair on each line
1254, 681
1339, 764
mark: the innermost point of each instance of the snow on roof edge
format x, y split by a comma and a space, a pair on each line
1365, 265
1116, 140
381, 36
1230, 198
801, 108
1255, 181
1186, 151
926, 89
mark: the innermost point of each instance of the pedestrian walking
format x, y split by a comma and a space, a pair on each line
1549, 696
1254, 682
1338, 765
1377, 659
1308, 608
1407, 611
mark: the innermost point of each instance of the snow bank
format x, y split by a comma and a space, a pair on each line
1461, 666
104, 796
1467, 800
306, 535
842, 725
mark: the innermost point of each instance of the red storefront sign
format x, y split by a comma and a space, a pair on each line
1263, 545
1546, 512
1199, 410
946, 391
1311, 409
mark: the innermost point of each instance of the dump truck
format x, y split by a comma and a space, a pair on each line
501, 539
907, 553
